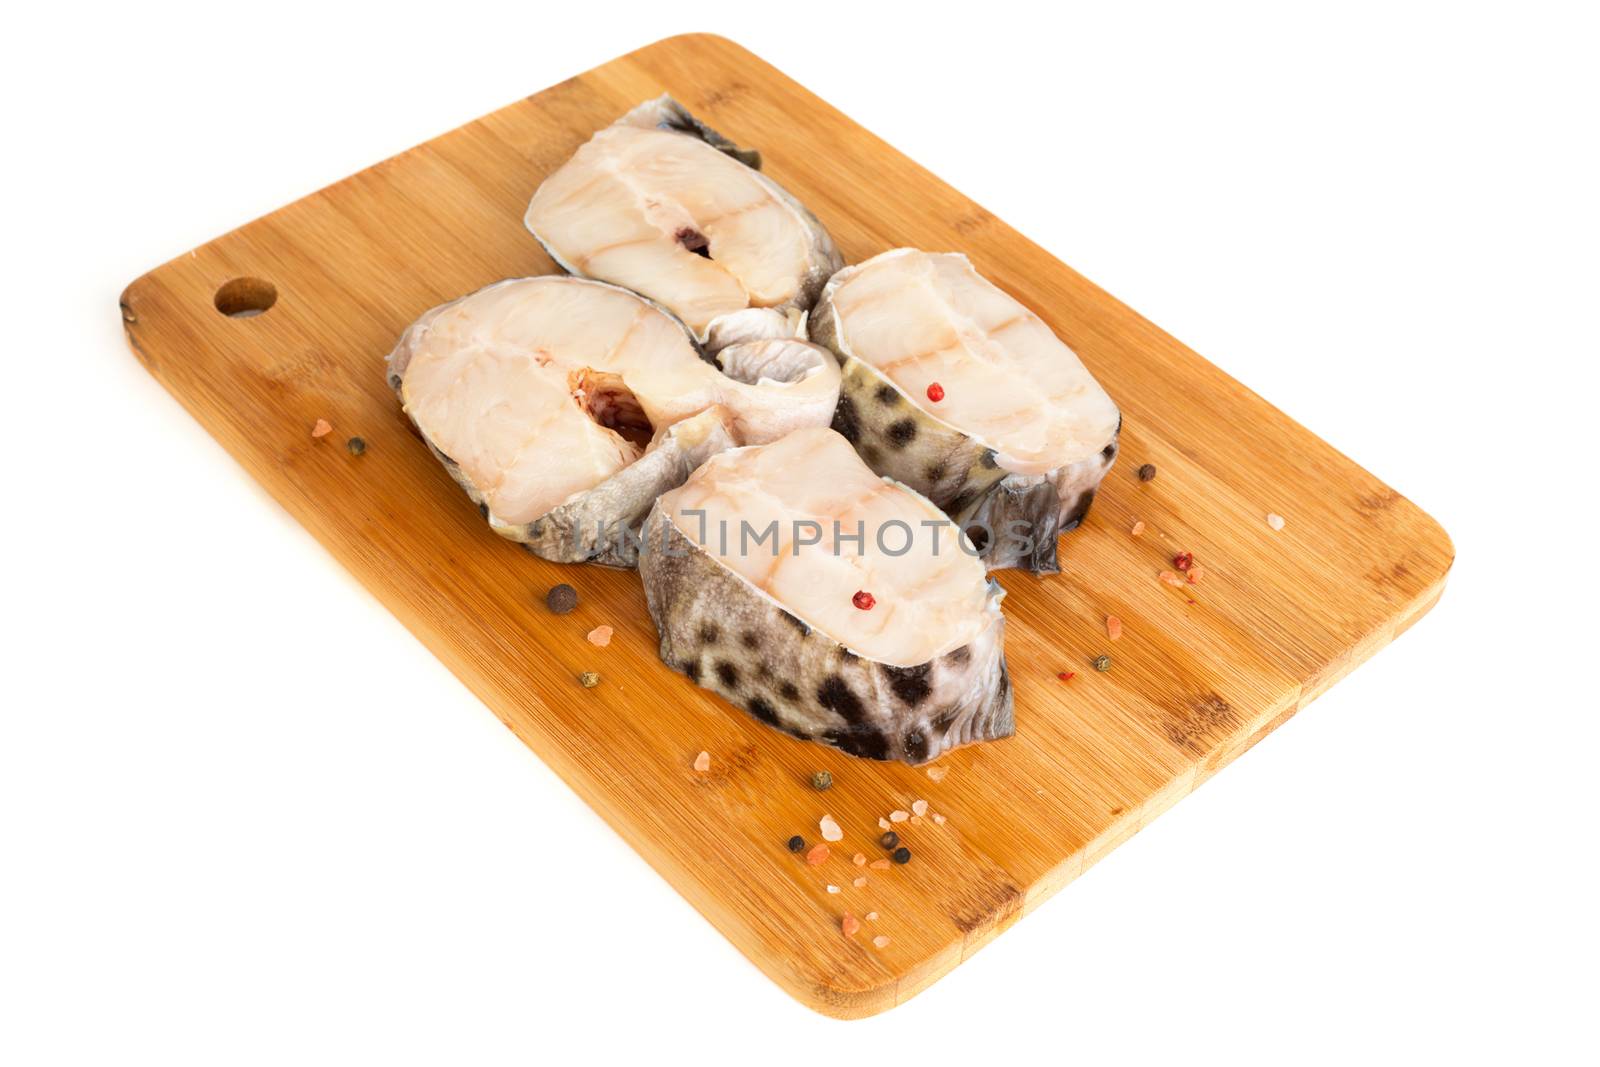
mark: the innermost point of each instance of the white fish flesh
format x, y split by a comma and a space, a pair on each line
565, 406
667, 207
956, 389
831, 637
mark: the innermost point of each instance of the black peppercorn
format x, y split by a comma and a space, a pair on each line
1147, 472
796, 843
889, 839
356, 446
562, 599
901, 855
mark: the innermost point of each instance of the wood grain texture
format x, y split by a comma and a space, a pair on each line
1277, 619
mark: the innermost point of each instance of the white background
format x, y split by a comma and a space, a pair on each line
246, 818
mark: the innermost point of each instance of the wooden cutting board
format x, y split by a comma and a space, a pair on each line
1199, 675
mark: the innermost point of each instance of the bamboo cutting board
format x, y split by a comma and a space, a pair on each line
1200, 674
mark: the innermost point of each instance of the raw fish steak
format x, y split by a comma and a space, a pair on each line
669, 208
565, 406
956, 389
886, 647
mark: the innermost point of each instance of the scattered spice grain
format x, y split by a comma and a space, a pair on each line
1102, 663
889, 840
1138, 529
880, 941
356, 446
702, 762
589, 679
1113, 627
321, 429
1147, 472
821, 780
938, 773
830, 829
849, 924
901, 855
919, 807
1274, 520
818, 855
600, 636
561, 599
797, 843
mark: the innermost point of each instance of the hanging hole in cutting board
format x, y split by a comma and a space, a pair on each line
243, 297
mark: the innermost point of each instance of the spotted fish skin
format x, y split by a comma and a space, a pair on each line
727, 637
1013, 518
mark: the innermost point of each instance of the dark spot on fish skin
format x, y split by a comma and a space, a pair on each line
1119, 424
846, 421
910, 684
750, 639
887, 394
789, 692
1079, 510
946, 718
915, 744
1109, 451
709, 632
763, 671
959, 657
692, 669
797, 623
979, 537
728, 675
959, 504
871, 454
902, 433
867, 743
1002, 685
762, 710
935, 473
836, 696
988, 459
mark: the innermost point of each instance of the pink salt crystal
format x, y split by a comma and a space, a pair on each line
879, 865
919, 807
1171, 578
872, 916
938, 818
830, 829
1274, 520
702, 762
881, 941
916, 820
859, 882
849, 924
1138, 529
938, 773
818, 855
899, 816
883, 824
1113, 627
321, 429
859, 860
600, 636
833, 889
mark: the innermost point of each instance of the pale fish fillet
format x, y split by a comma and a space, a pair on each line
565, 406
773, 623
667, 207
1022, 435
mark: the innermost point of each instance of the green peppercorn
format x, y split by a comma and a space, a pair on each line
356, 446
590, 679
796, 843
1102, 663
889, 839
561, 599
821, 780
1147, 472
901, 855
